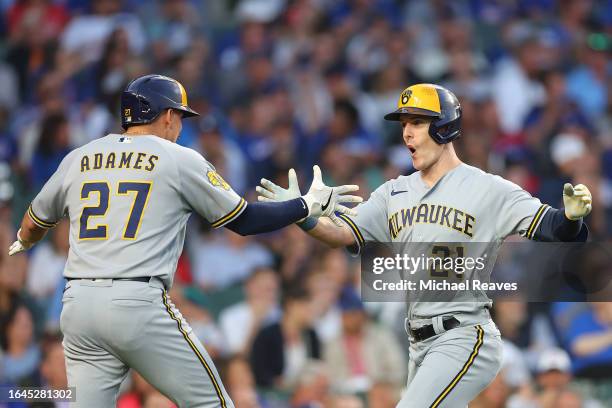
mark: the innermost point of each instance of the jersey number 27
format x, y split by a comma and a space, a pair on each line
102, 189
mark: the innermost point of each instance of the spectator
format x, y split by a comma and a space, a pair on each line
496, 395
203, 325
586, 84
9, 95
34, 27
345, 127
53, 146
282, 350
547, 119
312, 389
529, 330
20, 363
515, 375
383, 395
242, 321
364, 353
325, 291
142, 395
28, 126
240, 384
589, 339
223, 153
112, 73
282, 154
52, 369
171, 28
294, 251
517, 76
84, 37
346, 401
210, 254
8, 147
553, 379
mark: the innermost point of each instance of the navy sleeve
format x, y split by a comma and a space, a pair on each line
260, 217
555, 226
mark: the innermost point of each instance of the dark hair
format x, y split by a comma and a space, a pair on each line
50, 125
346, 107
258, 271
8, 318
49, 338
295, 294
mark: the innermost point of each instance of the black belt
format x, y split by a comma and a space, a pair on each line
425, 332
138, 279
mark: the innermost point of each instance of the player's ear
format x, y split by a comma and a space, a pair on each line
172, 113
168, 117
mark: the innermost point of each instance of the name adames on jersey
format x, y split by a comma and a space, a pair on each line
123, 160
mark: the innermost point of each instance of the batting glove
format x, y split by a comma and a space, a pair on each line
19, 245
577, 201
321, 200
271, 192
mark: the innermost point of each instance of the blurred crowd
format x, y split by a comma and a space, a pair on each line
290, 83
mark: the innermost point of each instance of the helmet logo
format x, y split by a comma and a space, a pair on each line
405, 97
127, 113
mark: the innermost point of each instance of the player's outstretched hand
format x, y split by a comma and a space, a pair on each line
577, 201
324, 201
268, 191
19, 245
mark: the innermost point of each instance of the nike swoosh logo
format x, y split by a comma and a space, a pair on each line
393, 192
324, 206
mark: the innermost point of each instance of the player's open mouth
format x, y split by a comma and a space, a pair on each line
412, 149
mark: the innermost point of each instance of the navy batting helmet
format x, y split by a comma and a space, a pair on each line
146, 97
436, 102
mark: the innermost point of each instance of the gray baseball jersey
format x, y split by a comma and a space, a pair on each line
465, 205
128, 200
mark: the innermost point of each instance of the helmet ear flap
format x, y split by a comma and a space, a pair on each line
448, 127
445, 132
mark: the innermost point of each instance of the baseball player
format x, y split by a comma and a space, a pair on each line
128, 197
455, 348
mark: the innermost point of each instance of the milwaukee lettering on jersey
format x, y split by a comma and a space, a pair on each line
442, 215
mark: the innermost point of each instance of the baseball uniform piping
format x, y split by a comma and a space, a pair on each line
38, 221
536, 221
195, 350
231, 215
464, 370
354, 228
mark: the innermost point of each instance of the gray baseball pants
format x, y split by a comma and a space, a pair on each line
110, 326
450, 369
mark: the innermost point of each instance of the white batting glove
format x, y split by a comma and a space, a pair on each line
577, 201
324, 201
19, 245
271, 192
321, 200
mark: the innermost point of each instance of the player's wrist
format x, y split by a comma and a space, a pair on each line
571, 216
22, 241
309, 201
307, 223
